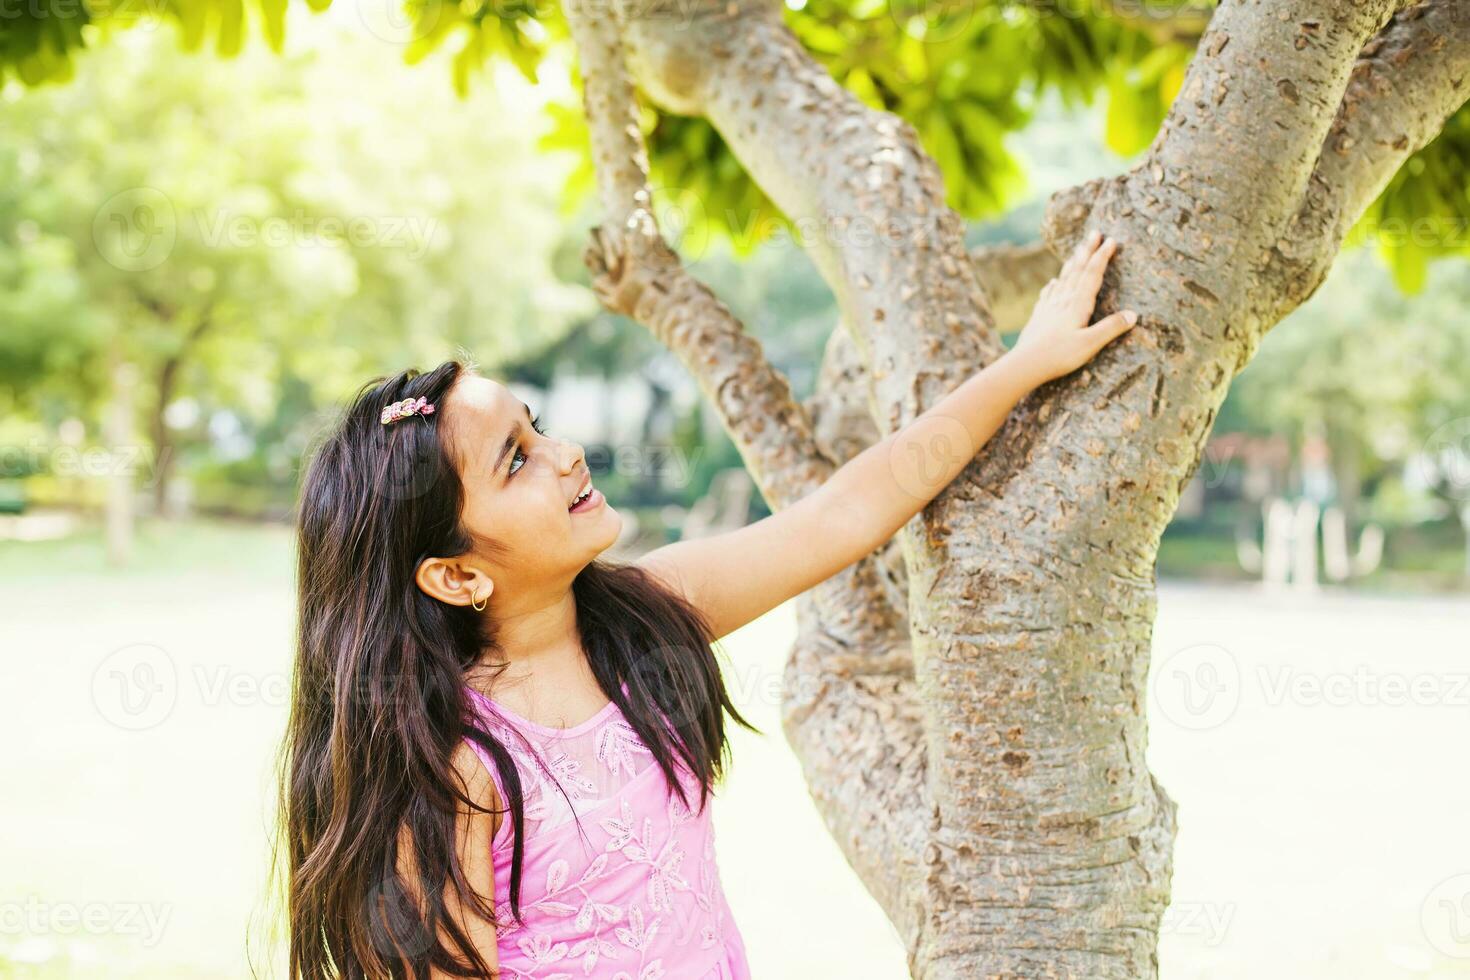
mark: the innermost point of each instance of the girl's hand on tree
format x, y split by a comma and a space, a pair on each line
1057, 339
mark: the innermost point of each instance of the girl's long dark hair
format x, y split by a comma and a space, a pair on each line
379, 705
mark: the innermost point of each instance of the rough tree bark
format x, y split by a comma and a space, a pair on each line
968, 702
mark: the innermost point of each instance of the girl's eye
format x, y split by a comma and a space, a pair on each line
535, 424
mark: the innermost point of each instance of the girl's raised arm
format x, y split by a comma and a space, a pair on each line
739, 575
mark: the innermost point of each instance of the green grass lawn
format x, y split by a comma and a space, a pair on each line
1413, 562
1313, 832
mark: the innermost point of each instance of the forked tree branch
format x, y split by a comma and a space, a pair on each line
637, 274
1228, 170
849, 706
1406, 83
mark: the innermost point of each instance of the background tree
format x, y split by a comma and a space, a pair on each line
1384, 398
250, 254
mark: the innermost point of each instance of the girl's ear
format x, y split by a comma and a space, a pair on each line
451, 581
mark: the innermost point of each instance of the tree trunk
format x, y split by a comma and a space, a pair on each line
118, 433
167, 383
968, 702
163, 443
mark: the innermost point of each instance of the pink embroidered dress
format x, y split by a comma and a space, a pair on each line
629, 889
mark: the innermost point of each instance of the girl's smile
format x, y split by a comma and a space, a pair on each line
592, 501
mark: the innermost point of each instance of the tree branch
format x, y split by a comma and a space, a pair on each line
619, 157
857, 730
865, 198
850, 709
1237, 149
1226, 174
637, 274
1406, 83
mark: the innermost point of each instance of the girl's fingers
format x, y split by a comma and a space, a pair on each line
1115, 325
1083, 250
1091, 274
1098, 263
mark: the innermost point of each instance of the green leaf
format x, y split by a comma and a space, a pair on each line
860, 83
33, 69
231, 29
467, 59
523, 53
273, 21
441, 19
191, 21
944, 146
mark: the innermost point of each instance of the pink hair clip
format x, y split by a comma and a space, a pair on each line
405, 408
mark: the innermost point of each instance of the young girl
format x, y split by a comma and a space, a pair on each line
501, 745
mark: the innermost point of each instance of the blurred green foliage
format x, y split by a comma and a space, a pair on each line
257, 240
1424, 213
965, 73
1398, 366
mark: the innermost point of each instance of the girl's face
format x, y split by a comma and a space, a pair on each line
519, 485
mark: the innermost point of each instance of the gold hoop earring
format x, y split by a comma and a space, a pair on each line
478, 606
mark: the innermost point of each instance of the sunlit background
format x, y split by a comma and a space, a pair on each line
201, 257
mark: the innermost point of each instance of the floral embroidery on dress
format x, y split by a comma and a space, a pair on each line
617, 744
634, 894
565, 772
